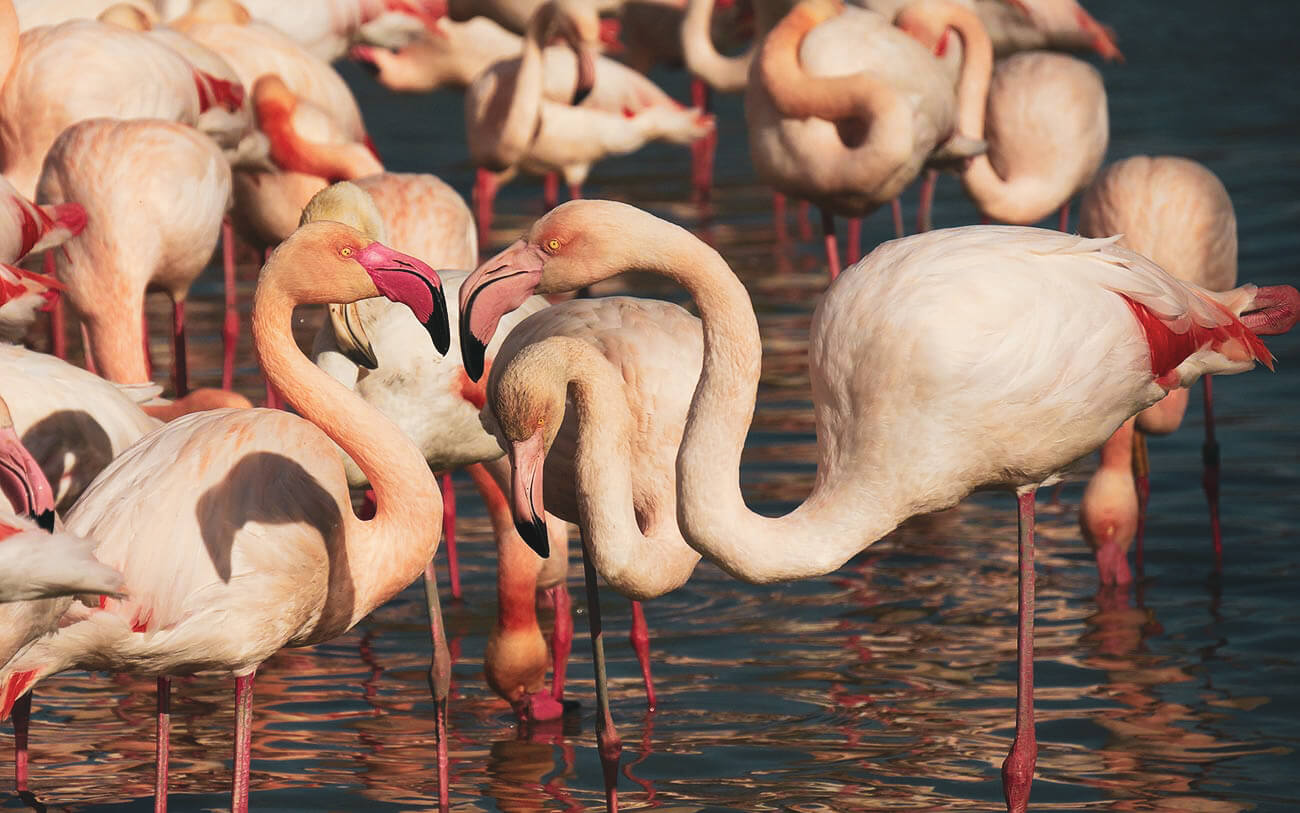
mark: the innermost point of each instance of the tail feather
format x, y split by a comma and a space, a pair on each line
63, 221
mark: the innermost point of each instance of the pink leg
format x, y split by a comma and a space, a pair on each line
778, 218
608, 743
561, 638
162, 744
449, 533
58, 334
439, 682
805, 221
1142, 478
1210, 476
897, 208
855, 240
230, 327
485, 192
22, 714
243, 742
832, 248
1064, 222
87, 352
180, 362
551, 191
702, 151
1018, 769
641, 643
928, 184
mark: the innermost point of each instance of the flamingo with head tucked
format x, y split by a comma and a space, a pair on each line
1000, 355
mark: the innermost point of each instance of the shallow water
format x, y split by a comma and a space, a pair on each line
887, 685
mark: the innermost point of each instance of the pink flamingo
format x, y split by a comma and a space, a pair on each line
1176, 212
1043, 116
1022, 25
135, 178
327, 29
964, 391
449, 54
262, 549
821, 74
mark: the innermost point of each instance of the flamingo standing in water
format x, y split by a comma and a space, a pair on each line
844, 109
1178, 213
156, 192
1000, 355
259, 548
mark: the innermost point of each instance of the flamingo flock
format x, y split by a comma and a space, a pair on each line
168, 529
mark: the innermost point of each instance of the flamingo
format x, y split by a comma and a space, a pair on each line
1178, 213
156, 192
1043, 116
326, 30
33, 13
449, 54
511, 120
821, 74
1023, 25
999, 356
260, 548
26, 228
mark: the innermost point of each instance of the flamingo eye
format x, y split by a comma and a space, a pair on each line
553, 245
346, 251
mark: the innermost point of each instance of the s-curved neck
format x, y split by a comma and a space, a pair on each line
725, 74
518, 105
386, 553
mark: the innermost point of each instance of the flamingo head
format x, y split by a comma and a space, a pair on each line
21, 480
925, 22
514, 664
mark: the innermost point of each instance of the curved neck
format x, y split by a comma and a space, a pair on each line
8, 39
293, 153
1117, 452
844, 100
976, 69
386, 553
726, 74
517, 104
517, 564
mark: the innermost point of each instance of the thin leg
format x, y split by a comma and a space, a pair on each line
439, 682
778, 218
561, 638
855, 240
702, 149
928, 183
485, 192
1142, 477
641, 643
1018, 769
22, 714
230, 327
1210, 476
551, 191
805, 221
1064, 223
162, 744
897, 208
87, 352
58, 333
449, 533
180, 363
832, 248
609, 744
243, 742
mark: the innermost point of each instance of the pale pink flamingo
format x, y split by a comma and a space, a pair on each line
327, 29
449, 54
963, 392
156, 193
513, 121
1043, 117
844, 109
33, 13
262, 549
1178, 213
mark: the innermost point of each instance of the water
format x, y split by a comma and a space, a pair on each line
887, 685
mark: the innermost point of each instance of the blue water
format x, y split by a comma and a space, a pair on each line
889, 684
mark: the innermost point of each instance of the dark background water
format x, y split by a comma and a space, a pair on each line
889, 684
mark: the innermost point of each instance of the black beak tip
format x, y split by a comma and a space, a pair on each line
472, 352
580, 95
534, 533
438, 327
46, 520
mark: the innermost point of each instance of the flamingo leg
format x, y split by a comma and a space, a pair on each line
805, 222
485, 193
641, 643
896, 207
1064, 222
22, 714
439, 682
1142, 474
229, 327
928, 183
855, 240
609, 744
162, 744
702, 149
551, 191
1018, 768
180, 361
832, 248
561, 638
1210, 476
778, 218
243, 742
58, 334
449, 533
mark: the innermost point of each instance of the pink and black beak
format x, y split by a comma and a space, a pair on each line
22, 481
586, 73
496, 288
527, 460
403, 278
1273, 311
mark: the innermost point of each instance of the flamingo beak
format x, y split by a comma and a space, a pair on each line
1273, 311
496, 288
527, 460
586, 73
1103, 38
23, 482
350, 337
403, 278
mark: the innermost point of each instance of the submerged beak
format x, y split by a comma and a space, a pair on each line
350, 337
527, 460
23, 482
403, 278
496, 288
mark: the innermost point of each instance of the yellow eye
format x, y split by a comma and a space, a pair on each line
552, 245
346, 251
541, 422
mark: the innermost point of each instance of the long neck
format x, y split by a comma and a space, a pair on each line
517, 565
1117, 452
640, 564
837, 520
388, 552
293, 152
723, 73
8, 39
518, 105
873, 104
